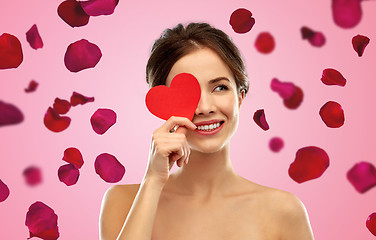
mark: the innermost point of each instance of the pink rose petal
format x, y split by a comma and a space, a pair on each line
371, 223
284, 89
10, 51
54, 122
109, 168
32, 86
265, 43
362, 176
332, 114
33, 37
276, 144
77, 98
32, 175
102, 120
316, 39
73, 155
310, 163
61, 106
10, 114
346, 13
72, 13
241, 20
68, 174
81, 55
99, 7
295, 100
42, 222
359, 43
260, 120
4, 191
331, 76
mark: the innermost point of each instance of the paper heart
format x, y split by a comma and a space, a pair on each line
180, 99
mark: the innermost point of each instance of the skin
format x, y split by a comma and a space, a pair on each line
204, 198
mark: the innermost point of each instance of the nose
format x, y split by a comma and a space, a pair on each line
205, 105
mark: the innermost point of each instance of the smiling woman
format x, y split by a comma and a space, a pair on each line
204, 198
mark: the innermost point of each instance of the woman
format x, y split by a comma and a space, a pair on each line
204, 198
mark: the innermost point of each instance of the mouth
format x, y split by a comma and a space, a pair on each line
208, 128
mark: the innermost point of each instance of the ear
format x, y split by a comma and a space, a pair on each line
241, 96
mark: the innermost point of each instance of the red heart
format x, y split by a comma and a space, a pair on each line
10, 51
180, 99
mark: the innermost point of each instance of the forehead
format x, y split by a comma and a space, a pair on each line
204, 63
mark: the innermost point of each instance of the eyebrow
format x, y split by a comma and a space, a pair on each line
218, 79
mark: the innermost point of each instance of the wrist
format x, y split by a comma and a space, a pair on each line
153, 183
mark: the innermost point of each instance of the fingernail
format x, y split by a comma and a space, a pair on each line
186, 161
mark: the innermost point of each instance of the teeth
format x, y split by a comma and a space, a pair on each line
208, 127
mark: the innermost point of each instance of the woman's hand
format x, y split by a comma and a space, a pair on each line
168, 146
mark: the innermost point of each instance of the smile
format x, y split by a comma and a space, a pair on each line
209, 128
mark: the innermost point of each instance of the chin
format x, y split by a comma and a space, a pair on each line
208, 148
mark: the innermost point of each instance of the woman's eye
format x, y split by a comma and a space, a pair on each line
221, 88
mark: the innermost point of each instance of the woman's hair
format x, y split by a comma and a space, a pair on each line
179, 41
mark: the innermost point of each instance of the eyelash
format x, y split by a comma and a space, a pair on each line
223, 86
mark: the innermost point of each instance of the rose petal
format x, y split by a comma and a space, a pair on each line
54, 122
316, 39
72, 13
10, 114
265, 43
359, 43
61, 106
310, 163
32, 175
371, 223
295, 100
77, 98
81, 55
259, 118
42, 221
10, 51
68, 174
362, 176
4, 191
346, 13
33, 37
73, 155
109, 168
331, 76
99, 7
276, 144
332, 114
284, 89
32, 86
102, 120
241, 20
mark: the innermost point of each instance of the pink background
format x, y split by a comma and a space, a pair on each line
335, 209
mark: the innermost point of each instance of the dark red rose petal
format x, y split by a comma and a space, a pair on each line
359, 43
81, 55
265, 43
33, 37
276, 144
99, 7
68, 174
241, 20
42, 222
73, 155
72, 13
32, 175
362, 176
10, 51
295, 100
4, 191
316, 39
109, 168
346, 13
61, 106
310, 163
77, 98
332, 114
102, 120
10, 114
260, 119
331, 76
371, 223
54, 122
32, 86
284, 89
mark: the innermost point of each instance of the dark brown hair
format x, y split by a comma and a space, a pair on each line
179, 41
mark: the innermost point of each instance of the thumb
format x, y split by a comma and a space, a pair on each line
181, 129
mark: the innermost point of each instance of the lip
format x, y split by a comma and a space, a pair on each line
208, 122
201, 132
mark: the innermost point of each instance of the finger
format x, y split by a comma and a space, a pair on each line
181, 121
